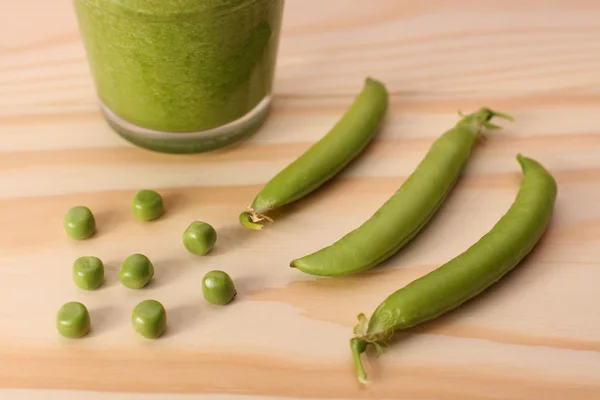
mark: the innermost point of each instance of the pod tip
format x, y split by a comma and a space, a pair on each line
522, 160
527, 163
369, 80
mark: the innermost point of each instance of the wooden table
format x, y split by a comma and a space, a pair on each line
536, 335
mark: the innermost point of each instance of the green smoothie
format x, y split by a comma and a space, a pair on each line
173, 75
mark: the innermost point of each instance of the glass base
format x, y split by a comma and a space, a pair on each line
192, 142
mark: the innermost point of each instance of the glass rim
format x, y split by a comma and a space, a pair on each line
123, 10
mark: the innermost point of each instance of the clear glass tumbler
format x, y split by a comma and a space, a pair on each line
182, 76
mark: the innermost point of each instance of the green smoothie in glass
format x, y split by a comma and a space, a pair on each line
182, 76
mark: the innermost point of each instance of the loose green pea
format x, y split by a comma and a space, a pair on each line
325, 158
147, 205
470, 273
199, 238
79, 223
218, 288
408, 210
149, 319
88, 272
73, 320
136, 271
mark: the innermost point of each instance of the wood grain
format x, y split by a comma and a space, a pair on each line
536, 335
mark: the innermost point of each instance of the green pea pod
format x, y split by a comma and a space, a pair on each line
408, 210
470, 273
325, 158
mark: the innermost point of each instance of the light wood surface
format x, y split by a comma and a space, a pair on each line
536, 335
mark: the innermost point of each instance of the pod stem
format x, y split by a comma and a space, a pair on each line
252, 220
359, 344
358, 347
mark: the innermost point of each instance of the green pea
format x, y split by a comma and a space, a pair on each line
468, 274
324, 159
88, 272
218, 288
408, 210
199, 238
149, 319
147, 205
79, 223
136, 271
73, 320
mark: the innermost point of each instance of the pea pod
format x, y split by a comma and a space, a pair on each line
325, 158
408, 210
470, 273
